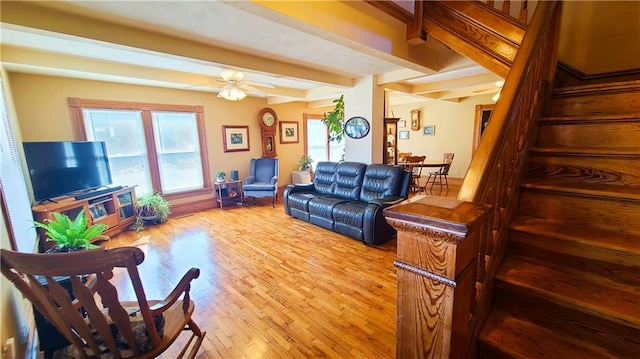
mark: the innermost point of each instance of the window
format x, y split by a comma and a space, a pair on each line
316, 137
14, 197
156, 147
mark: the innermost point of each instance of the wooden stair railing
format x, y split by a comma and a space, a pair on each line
476, 30
492, 180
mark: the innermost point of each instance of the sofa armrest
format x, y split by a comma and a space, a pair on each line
274, 179
249, 180
296, 188
387, 201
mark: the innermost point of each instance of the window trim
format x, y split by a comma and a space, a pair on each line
305, 119
76, 106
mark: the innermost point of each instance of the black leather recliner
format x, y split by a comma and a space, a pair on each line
349, 197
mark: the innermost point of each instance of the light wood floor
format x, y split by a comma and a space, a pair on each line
272, 286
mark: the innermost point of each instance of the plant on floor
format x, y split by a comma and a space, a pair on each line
70, 236
304, 164
151, 208
335, 120
220, 176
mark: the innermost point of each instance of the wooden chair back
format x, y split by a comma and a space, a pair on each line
403, 155
447, 157
414, 164
76, 314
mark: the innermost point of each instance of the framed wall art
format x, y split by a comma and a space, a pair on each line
289, 132
235, 138
429, 130
402, 123
403, 135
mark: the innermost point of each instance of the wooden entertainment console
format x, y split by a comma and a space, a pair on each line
115, 209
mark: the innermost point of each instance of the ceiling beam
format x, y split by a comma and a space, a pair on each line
56, 21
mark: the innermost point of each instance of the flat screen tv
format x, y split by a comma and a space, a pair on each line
64, 168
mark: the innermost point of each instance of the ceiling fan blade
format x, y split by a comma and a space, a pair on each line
261, 84
252, 90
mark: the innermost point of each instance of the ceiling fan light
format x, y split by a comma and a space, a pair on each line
232, 93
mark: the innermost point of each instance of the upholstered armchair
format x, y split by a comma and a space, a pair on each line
263, 179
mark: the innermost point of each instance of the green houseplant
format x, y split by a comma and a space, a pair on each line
151, 208
69, 235
335, 120
304, 164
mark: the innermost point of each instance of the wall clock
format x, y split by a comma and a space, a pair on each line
356, 127
415, 120
268, 121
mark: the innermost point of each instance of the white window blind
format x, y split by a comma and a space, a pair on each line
14, 189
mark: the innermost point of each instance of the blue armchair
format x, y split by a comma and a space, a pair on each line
263, 179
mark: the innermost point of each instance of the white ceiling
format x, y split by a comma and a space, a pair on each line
243, 27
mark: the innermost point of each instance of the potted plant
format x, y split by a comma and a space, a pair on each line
220, 176
304, 164
335, 120
70, 236
151, 208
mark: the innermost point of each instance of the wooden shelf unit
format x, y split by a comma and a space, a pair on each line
115, 209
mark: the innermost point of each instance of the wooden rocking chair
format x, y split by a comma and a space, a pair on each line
113, 329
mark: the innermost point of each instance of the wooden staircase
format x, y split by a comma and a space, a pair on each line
569, 285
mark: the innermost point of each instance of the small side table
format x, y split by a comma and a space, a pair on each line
229, 193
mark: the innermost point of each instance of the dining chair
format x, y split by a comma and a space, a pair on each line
414, 164
403, 155
439, 177
88, 313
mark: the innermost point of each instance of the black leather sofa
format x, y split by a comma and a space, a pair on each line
349, 197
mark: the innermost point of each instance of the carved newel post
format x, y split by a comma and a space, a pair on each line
437, 262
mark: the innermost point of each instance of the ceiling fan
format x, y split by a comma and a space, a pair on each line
235, 88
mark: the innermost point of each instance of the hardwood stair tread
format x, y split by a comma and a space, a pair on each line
598, 88
623, 192
630, 152
616, 303
519, 338
584, 235
630, 116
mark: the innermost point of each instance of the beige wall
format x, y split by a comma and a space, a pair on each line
454, 130
600, 36
41, 105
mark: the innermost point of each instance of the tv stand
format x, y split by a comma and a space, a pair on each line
113, 206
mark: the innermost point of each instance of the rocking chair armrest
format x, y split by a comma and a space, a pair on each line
183, 287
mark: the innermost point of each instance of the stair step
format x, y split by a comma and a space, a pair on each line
615, 117
506, 336
572, 289
590, 134
630, 152
622, 248
601, 190
599, 88
595, 172
609, 210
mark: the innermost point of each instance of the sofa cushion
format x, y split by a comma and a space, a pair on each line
322, 206
349, 218
381, 181
349, 176
324, 177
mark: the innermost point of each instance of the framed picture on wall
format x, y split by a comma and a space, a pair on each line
235, 138
403, 135
429, 130
288, 132
402, 123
